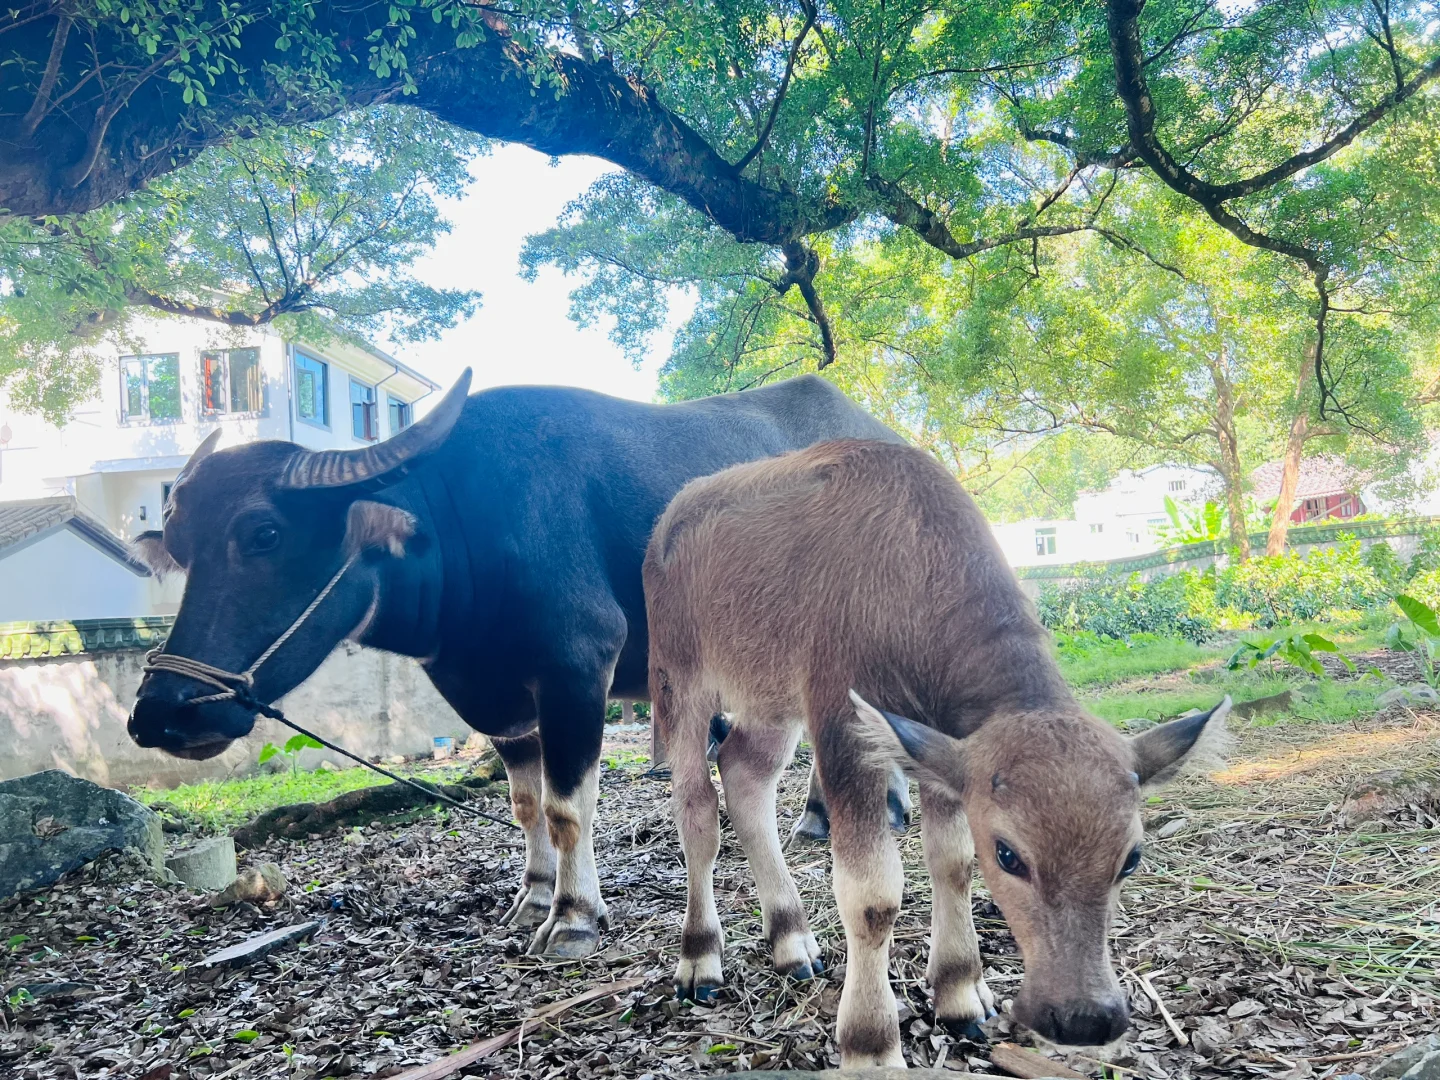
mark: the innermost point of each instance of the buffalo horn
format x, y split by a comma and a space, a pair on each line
385, 462
204, 450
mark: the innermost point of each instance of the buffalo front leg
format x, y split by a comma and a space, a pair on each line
751, 761
814, 824
537, 887
962, 1000
684, 722
571, 728
868, 880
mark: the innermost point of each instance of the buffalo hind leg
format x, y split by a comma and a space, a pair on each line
682, 719
571, 729
962, 1000
814, 824
868, 881
537, 887
751, 761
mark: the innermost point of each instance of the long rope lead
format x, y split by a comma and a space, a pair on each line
240, 688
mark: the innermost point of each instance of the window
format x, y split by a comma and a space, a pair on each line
1132, 537
402, 414
1044, 541
1314, 508
312, 396
150, 387
362, 411
1177, 485
1097, 526
231, 381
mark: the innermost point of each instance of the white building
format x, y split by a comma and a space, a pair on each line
1122, 519
109, 469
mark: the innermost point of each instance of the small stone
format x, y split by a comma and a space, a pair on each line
259, 946
208, 866
1171, 827
1137, 724
257, 885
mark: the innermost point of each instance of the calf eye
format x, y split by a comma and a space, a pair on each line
1132, 863
1009, 861
265, 538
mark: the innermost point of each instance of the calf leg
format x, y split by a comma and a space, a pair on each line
751, 761
814, 824
868, 880
537, 887
962, 1000
682, 718
571, 728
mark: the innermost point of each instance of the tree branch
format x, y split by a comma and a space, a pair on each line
810, 15
41, 104
801, 265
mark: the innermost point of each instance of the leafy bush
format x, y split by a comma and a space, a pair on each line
1386, 565
1292, 587
1425, 587
1112, 607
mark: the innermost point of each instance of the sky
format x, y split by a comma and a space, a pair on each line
522, 332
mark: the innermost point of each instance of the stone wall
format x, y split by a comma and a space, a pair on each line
68, 712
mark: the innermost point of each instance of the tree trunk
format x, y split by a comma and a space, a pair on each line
1294, 451
1230, 454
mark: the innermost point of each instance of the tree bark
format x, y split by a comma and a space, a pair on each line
1294, 452
1230, 454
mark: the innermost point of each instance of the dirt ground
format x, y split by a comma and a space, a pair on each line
1278, 936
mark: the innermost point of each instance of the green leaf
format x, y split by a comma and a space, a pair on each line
1419, 613
185, 1014
722, 1048
16, 940
268, 751
296, 743
245, 1035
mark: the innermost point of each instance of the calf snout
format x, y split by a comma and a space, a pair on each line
1077, 1022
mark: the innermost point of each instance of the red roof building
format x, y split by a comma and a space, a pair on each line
1328, 489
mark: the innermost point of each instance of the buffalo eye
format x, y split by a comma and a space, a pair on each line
1009, 861
263, 538
1132, 863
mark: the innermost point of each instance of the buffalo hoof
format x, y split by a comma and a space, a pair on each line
814, 827
573, 933
699, 978
963, 1029
897, 805
531, 907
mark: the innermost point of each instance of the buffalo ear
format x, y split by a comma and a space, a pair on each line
149, 549
921, 751
1191, 742
376, 525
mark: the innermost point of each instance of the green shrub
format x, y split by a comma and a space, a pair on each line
1289, 588
1386, 565
1427, 554
1425, 587
1111, 607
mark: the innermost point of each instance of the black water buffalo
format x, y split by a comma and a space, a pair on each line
499, 540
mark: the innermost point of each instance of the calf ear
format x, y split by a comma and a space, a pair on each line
1191, 742
149, 548
920, 750
376, 525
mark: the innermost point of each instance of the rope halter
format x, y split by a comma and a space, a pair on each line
230, 686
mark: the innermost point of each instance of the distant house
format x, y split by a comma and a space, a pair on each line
1123, 518
168, 385
57, 562
1327, 489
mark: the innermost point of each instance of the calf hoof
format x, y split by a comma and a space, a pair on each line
963, 1029
797, 956
531, 907
699, 979
962, 1008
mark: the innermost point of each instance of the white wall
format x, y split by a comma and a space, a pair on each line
60, 575
69, 713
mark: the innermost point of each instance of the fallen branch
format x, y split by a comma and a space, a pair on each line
1153, 995
443, 1067
1028, 1065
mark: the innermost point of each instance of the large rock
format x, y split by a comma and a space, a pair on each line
52, 822
1418, 1061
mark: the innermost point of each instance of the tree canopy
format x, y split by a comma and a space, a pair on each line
317, 225
776, 122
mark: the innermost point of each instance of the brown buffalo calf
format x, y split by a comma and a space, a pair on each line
819, 589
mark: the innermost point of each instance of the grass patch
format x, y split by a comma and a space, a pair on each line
1087, 660
1319, 700
223, 804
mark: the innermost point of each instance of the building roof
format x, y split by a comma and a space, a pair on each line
22, 520
1320, 476
31, 640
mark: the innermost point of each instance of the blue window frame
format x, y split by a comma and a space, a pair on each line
402, 414
312, 390
363, 419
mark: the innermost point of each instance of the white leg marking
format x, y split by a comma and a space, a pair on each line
577, 914
962, 1000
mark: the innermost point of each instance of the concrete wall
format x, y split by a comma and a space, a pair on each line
60, 575
69, 713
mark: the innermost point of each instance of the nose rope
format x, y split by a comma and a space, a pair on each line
240, 688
